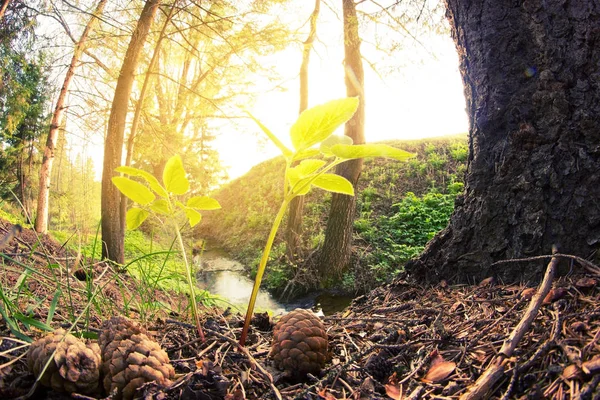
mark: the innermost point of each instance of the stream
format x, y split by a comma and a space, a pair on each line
218, 273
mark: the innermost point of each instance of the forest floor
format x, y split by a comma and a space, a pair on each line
401, 341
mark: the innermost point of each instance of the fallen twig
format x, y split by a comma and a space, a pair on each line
496, 370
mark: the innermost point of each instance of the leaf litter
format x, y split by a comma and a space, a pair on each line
401, 341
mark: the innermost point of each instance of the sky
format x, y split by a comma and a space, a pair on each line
415, 93
421, 97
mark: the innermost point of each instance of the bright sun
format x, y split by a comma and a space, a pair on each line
422, 99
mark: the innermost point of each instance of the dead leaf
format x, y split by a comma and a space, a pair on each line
586, 283
324, 394
396, 391
592, 366
487, 282
579, 326
554, 294
528, 293
439, 370
571, 372
455, 306
237, 395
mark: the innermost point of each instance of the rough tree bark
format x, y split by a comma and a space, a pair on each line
531, 72
336, 251
112, 232
41, 219
294, 222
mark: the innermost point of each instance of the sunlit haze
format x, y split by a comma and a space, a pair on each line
416, 93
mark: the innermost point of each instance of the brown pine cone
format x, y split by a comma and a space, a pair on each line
131, 358
299, 344
75, 367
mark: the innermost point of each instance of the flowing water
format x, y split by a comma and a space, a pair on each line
221, 275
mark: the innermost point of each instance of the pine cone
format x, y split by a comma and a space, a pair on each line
131, 358
299, 343
75, 367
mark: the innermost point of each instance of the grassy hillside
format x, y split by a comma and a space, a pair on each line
399, 207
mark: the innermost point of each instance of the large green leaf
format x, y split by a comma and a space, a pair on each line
151, 179
303, 154
161, 206
334, 183
193, 216
203, 203
370, 150
317, 123
135, 217
284, 150
298, 183
308, 167
134, 190
174, 176
332, 140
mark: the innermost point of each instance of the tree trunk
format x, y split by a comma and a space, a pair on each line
531, 73
41, 219
294, 222
139, 107
112, 231
3, 7
336, 250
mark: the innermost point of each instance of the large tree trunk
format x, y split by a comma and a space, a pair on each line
336, 250
294, 222
112, 231
531, 72
41, 219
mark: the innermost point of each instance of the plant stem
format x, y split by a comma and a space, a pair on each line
190, 283
262, 267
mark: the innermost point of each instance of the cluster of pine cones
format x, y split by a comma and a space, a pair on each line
125, 358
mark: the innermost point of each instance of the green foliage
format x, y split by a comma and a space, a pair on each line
398, 237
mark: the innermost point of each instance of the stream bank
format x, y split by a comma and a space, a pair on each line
218, 273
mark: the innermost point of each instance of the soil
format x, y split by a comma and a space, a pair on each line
402, 340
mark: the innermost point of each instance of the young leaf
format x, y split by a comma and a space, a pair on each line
203, 203
174, 176
303, 154
134, 190
308, 167
297, 181
135, 217
370, 150
333, 140
193, 216
334, 183
317, 123
161, 206
152, 181
284, 150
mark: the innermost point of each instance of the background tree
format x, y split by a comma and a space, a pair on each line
112, 232
336, 250
23, 95
41, 219
294, 222
530, 72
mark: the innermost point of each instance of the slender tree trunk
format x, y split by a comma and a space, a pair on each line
112, 231
41, 219
294, 222
139, 108
3, 7
336, 251
531, 73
